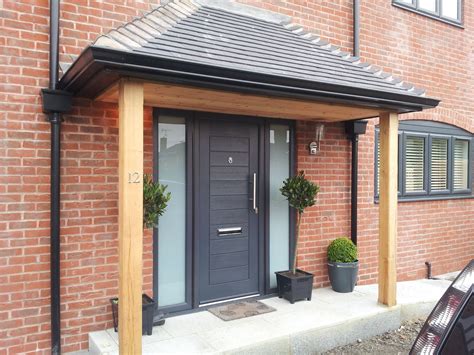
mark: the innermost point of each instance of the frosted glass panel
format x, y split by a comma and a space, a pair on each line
171, 230
279, 209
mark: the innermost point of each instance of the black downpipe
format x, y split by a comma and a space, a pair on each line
429, 275
354, 182
356, 27
354, 129
55, 120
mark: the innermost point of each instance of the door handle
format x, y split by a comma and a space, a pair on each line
255, 208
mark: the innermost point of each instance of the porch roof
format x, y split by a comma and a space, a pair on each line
222, 45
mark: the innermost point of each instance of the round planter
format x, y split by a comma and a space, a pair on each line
343, 276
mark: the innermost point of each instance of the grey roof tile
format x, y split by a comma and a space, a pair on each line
222, 33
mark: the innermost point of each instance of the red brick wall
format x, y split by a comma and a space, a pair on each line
428, 53
89, 181
330, 217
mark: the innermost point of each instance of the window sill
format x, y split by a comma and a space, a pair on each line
430, 198
427, 14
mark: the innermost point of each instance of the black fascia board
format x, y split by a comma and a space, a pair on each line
116, 63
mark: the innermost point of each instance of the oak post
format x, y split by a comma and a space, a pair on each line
388, 196
130, 215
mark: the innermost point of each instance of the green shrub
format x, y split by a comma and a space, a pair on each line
155, 201
300, 192
342, 250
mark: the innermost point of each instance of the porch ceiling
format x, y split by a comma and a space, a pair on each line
247, 60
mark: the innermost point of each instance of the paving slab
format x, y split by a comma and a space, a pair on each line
330, 319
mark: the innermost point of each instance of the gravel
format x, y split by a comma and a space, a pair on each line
395, 342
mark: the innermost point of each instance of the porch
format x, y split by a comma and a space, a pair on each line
224, 58
330, 319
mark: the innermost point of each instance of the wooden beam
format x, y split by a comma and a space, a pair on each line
130, 215
388, 208
210, 100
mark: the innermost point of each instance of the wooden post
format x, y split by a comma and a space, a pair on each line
130, 215
388, 199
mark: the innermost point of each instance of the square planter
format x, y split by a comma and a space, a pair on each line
294, 287
148, 308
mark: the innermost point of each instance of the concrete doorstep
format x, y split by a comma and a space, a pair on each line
329, 320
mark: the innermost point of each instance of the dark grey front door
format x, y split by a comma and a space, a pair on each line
228, 221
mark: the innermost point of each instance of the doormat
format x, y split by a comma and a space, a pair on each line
240, 310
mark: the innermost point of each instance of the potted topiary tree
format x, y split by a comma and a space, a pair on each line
343, 265
297, 284
155, 201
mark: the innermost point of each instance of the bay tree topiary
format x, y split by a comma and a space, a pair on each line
301, 194
342, 250
155, 201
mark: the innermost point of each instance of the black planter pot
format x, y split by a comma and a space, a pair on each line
148, 306
343, 276
294, 287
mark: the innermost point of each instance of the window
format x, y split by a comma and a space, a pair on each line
439, 164
435, 160
461, 164
414, 150
427, 5
445, 10
279, 212
172, 235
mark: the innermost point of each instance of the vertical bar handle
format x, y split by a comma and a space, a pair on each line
255, 208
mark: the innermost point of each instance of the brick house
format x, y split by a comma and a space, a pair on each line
430, 49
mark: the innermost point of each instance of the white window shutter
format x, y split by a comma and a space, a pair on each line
461, 164
439, 164
414, 163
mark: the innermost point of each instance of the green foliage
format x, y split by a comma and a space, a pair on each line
155, 201
342, 250
300, 192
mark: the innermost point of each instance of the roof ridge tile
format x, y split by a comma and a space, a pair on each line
170, 12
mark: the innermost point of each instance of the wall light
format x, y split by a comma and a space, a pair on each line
315, 146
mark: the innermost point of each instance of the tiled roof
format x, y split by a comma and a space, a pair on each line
222, 33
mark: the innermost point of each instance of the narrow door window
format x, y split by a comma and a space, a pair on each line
279, 209
172, 225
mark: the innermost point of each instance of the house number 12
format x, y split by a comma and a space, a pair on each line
133, 178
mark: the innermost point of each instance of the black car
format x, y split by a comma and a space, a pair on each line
449, 330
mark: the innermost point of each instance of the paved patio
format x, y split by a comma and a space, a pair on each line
330, 319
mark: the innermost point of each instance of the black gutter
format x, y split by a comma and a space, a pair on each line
356, 27
81, 79
354, 129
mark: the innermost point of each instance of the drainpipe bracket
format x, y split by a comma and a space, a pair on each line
56, 101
